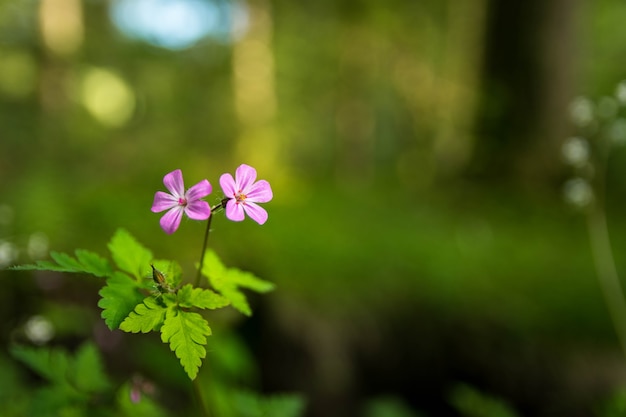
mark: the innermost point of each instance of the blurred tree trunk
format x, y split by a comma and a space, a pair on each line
528, 79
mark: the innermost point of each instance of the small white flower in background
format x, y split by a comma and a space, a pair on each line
8, 253
575, 151
37, 246
39, 330
578, 192
620, 92
581, 111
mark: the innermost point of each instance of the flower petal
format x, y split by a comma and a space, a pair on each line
234, 211
228, 185
260, 192
198, 191
171, 220
256, 212
244, 177
174, 183
198, 210
163, 201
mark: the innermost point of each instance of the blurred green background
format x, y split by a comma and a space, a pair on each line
418, 238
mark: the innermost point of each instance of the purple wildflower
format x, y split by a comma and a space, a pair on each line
243, 194
180, 201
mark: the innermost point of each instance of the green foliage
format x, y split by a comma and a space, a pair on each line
249, 404
388, 407
615, 406
200, 298
128, 303
473, 403
85, 262
130, 255
146, 407
77, 385
227, 281
186, 333
147, 316
171, 270
74, 381
120, 295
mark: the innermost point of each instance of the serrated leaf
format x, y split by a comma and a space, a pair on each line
94, 263
186, 334
129, 255
248, 280
65, 260
228, 280
88, 373
146, 317
189, 297
120, 296
237, 298
212, 265
85, 262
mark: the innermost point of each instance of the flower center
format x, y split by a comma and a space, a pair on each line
182, 201
240, 197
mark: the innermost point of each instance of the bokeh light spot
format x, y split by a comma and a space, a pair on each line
39, 330
107, 97
178, 24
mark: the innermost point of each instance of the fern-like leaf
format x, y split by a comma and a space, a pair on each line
85, 262
227, 281
129, 255
186, 334
146, 317
189, 297
119, 297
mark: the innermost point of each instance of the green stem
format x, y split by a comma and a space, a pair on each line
603, 253
214, 209
204, 244
197, 390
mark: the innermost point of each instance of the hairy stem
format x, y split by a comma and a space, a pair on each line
204, 244
214, 209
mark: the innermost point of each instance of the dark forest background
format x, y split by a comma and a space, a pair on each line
424, 256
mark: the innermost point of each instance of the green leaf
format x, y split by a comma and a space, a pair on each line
248, 280
228, 280
130, 255
172, 271
119, 298
85, 262
50, 363
88, 373
74, 379
146, 317
186, 333
94, 263
212, 264
237, 299
189, 297
249, 404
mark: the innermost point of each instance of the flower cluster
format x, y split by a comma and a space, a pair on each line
242, 194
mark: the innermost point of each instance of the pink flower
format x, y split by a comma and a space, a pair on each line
243, 194
179, 201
